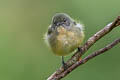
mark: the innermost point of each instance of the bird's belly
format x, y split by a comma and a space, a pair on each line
66, 43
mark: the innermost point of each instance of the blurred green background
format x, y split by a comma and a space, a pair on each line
25, 56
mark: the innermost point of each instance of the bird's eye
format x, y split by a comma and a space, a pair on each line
55, 23
64, 20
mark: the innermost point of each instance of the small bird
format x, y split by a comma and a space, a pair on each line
64, 35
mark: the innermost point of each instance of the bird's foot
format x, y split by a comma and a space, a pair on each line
64, 65
79, 49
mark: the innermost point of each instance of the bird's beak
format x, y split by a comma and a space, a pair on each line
60, 24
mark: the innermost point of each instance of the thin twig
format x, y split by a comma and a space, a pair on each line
75, 58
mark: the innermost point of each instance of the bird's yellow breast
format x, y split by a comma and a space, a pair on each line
66, 41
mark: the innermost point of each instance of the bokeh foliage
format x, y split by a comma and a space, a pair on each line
25, 56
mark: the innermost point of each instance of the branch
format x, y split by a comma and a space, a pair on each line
91, 56
73, 62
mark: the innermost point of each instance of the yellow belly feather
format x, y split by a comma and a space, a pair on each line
67, 41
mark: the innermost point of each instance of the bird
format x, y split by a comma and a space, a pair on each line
64, 35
